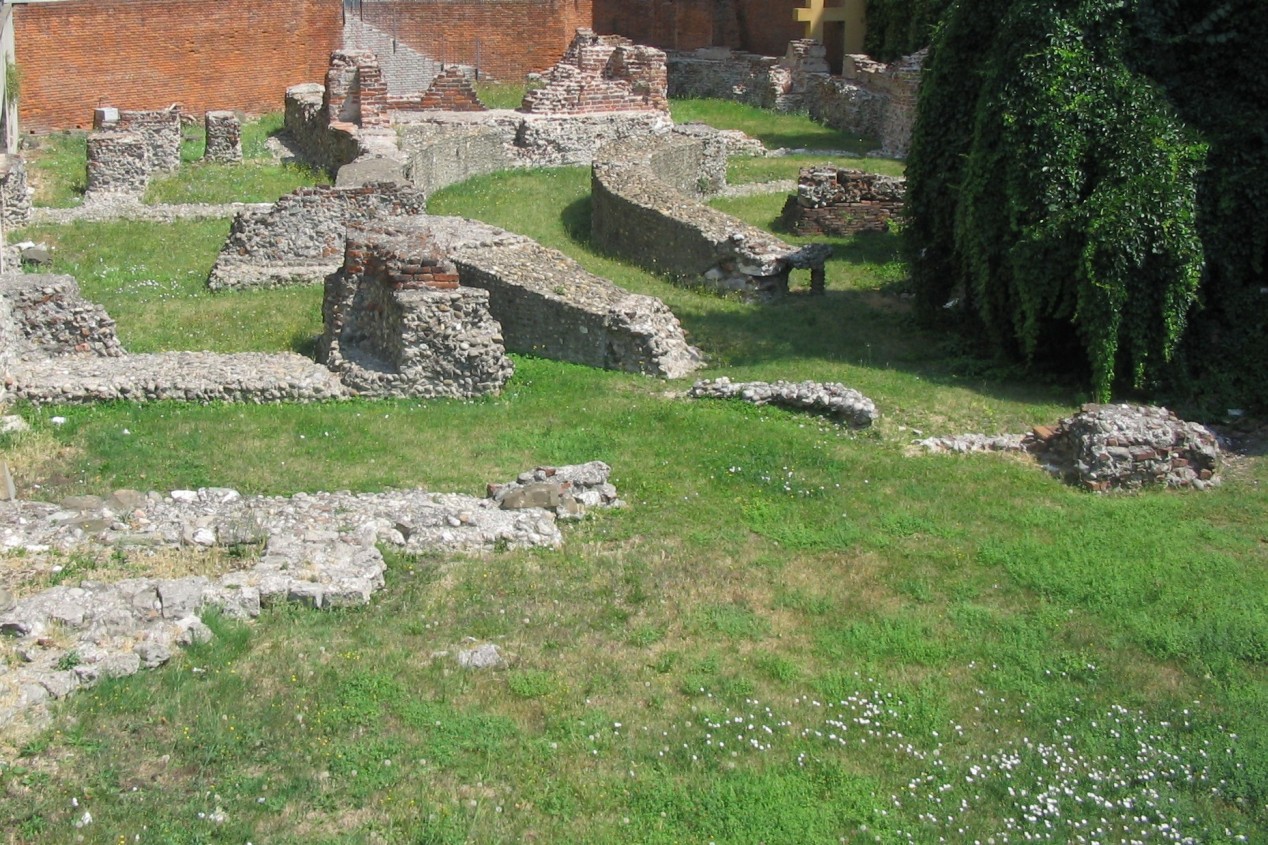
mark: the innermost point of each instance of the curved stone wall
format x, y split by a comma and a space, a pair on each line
646, 208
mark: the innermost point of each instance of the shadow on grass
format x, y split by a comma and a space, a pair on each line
576, 221
857, 145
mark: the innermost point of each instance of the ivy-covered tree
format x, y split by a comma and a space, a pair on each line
900, 27
1055, 185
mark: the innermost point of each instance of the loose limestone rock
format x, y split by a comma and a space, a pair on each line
830, 399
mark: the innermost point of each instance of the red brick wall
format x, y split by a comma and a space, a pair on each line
505, 39
145, 54
667, 24
766, 26
759, 26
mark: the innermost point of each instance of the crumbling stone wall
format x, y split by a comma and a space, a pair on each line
118, 164
324, 144
869, 98
301, 238
438, 146
397, 323
550, 307
15, 195
161, 132
440, 154
451, 90
643, 209
45, 316
356, 91
832, 200
602, 73
224, 137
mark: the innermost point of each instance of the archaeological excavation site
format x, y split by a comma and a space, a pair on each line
571, 420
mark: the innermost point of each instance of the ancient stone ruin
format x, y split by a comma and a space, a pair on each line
646, 208
15, 195
835, 401
546, 304
316, 549
398, 324
1107, 448
45, 316
605, 89
224, 137
838, 201
127, 147
300, 239
118, 165
869, 98
602, 73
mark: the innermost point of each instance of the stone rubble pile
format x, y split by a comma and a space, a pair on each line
567, 491
1110, 447
318, 549
830, 399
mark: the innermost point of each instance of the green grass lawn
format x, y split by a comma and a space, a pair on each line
794, 633
58, 170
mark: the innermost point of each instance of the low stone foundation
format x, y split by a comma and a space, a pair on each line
838, 201
224, 137
836, 401
320, 550
646, 208
118, 164
301, 238
397, 323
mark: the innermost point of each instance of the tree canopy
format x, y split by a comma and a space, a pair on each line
1084, 182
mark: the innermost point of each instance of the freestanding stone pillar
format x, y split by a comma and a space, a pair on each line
224, 137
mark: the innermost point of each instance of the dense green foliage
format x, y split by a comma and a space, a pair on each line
1055, 183
900, 27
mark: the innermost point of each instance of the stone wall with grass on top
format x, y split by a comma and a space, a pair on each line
646, 207
15, 193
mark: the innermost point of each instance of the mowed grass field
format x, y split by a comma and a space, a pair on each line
793, 633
